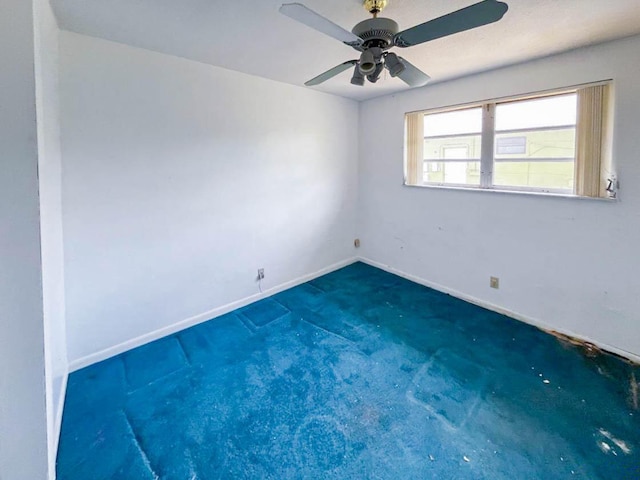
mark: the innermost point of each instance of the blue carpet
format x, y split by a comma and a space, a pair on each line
358, 374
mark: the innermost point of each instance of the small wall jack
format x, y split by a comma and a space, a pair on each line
259, 278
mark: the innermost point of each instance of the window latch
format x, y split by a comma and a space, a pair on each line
612, 186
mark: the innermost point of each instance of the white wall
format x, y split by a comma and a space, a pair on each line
181, 179
23, 423
50, 183
568, 263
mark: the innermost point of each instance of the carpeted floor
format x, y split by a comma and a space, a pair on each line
356, 375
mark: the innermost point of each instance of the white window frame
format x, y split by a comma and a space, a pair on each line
488, 147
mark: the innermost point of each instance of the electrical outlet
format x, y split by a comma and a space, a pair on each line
356, 243
494, 282
260, 273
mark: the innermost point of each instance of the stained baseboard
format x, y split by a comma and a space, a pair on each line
498, 309
203, 317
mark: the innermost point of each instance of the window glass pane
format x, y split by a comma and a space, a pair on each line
510, 145
452, 166
458, 147
553, 111
451, 140
553, 143
453, 169
452, 173
547, 162
457, 122
539, 175
535, 144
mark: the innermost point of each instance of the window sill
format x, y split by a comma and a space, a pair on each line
514, 192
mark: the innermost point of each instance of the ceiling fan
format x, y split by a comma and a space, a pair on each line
375, 36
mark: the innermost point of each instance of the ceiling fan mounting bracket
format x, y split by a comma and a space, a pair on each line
376, 32
374, 7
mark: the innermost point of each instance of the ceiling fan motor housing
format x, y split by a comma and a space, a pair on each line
376, 32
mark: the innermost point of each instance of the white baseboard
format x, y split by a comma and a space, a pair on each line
54, 430
216, 312
203, 317
61, 398
498, 309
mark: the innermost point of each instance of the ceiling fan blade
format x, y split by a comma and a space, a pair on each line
412, 75
483, 13
323, 77
305, 15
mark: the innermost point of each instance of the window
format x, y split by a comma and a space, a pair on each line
555, 142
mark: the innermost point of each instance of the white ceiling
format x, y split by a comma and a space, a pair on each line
251, 36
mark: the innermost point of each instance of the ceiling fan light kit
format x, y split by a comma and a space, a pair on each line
373, 77
374, 36
394, 65
367, 62
358, 78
